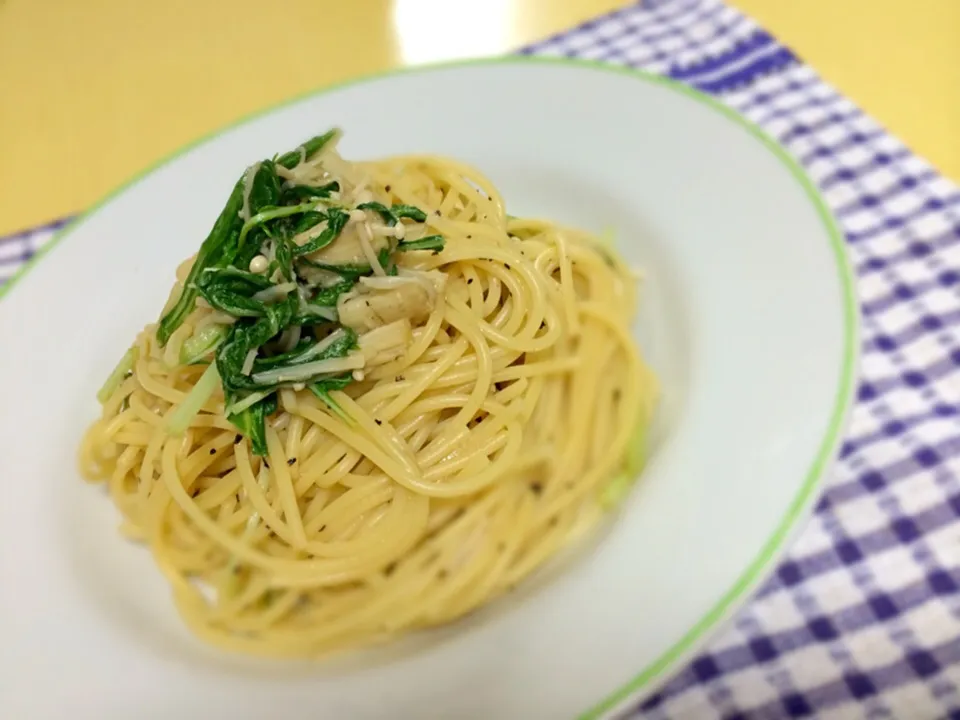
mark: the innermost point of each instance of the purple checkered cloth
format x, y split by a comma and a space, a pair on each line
862, 618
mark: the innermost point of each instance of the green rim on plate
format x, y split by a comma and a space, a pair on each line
802, 501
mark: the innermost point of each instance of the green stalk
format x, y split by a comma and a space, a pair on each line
179, 420
634, 461
202, 343
321, 392
615, 491
636, 457
118, 374
247, 402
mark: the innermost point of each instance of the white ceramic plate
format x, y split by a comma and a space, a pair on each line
748, 316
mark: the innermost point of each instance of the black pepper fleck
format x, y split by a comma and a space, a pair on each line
469, 281
237, 439
213, 451
322, 528
291, 461
266, 464
399, 378
378, 421
506, 266
387, 188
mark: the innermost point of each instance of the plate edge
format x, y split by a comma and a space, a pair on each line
802, 503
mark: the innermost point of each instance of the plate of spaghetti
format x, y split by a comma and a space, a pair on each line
436, 394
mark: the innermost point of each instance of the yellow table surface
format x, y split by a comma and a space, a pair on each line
94, 91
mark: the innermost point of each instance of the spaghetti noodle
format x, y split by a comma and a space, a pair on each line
485, 406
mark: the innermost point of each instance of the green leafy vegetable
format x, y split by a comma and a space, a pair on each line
310, 148
300, 193
264, 187
247, 335
251, 359
336, 221
392, 215
409, 211
264, 193
233, 292
333, 383
219, 242
252, 422
272, 212
322, 306
223, 243
284, 258
236, 276
352, 272
431, 242
302, 366
327, 297
306, 221
382, 210
314, 315
336, 345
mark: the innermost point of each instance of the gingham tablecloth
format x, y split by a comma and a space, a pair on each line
862, 618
